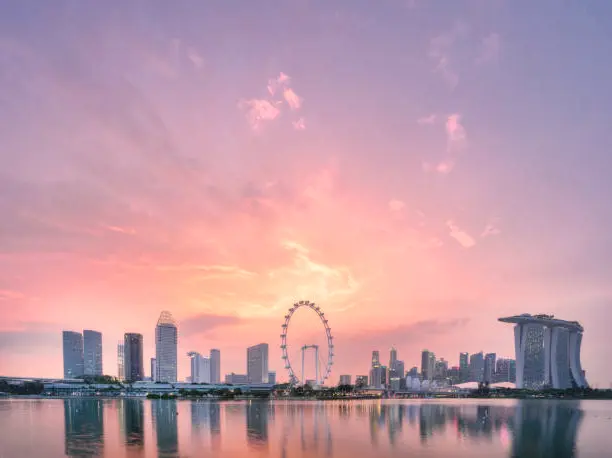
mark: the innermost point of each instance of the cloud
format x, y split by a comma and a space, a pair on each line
455, 132
464, 239
7, 294
258, 111
196, 59
202, 323
396, 205
443, 167
489, 49
427, 120
491, 228
300, 124
294, 100
282, 80
121, 230
209, 271
441, 51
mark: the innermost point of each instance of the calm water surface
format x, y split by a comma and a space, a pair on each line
466, 428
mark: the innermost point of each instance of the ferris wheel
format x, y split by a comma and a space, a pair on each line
322, 375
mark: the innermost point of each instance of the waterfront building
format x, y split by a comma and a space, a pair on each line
441, 369
166, 340
92, 351
120, 361
200, 368
376, 377
345, 380
464, 366
428, 362
73, 354
547, 352
257, 363
489, 367
153, 369
134, 369
477, 367
236, 379
454, 375
413, 372
272, 378
215, 366
361, 381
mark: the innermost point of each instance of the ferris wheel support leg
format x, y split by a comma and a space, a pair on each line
316, 365
303, 350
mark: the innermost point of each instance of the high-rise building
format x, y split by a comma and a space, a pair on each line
73, 354
236, 379
504, 369
132, 348
392, 358
344, 380
215, 366
272, 378
375, 358
166, 340
361, 381
464, 367
428, 363
454, 375
377, 377
477, 367
547, 351
153, 370
92, 348
120, 361
441, 369
200, 368
257, 363
489, 367
413, 372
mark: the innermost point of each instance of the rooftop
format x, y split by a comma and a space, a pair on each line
545, 320
165, 319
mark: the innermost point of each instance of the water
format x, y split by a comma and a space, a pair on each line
464, 428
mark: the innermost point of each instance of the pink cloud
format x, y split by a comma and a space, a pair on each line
455, 132
427, 120
462, 237
443, 167
258, 111
300, 124
396, 205
294, 100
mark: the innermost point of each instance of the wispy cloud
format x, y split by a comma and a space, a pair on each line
6, 294
202, 323
489, 49
427, 120
441, 52
491, 228
300, 124
259, 111
443, 167
396, 205
462, 237
196, 59
455, 132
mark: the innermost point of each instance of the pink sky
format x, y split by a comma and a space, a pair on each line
224, 169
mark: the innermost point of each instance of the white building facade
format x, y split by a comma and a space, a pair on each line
166, 340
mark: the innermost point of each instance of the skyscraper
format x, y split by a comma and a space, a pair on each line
73, 354
477, 367
489, 367
166, 339
257, 363
120, 361
200, 368
392, 358
215, 366
428, 363
132, 347
464, 367
92, 346
375, 358
153, 370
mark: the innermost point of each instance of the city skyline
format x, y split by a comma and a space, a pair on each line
449, 169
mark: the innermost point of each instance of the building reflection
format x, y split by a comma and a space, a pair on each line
133, 422
257, 413
166, 429
546, 429
84, 427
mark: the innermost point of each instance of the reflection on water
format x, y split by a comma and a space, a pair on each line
139, 427
84, 427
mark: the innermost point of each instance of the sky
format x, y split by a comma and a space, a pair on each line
418, 168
